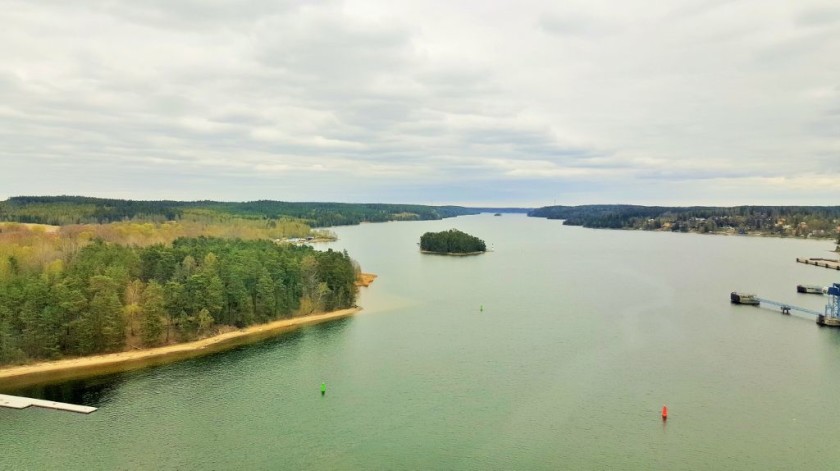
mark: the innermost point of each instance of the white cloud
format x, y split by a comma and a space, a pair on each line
635, 101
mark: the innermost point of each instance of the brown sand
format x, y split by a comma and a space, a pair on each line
365, 279
75, 368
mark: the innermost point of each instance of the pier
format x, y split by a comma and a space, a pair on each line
785, 308
820, 262
17, 402
829, 318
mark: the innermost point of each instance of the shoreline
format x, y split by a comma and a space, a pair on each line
85, 367
827, 238
365, 279
452, 254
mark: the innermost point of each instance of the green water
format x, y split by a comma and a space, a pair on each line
584, 335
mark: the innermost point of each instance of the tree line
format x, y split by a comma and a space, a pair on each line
451, 241
109, 297
64, 210
793, 221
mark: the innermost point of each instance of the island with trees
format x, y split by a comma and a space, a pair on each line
451, 242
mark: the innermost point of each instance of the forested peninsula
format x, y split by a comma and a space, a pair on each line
781, 221
116, 275
451, 242
106, 297
83, 276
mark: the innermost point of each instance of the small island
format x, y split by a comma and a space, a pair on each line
451, 242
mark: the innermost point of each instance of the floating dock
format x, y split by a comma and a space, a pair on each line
821, 262
17, 402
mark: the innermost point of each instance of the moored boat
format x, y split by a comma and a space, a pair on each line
743, 298
810, 289
828, 321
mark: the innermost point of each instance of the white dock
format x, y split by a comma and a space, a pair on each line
17, 402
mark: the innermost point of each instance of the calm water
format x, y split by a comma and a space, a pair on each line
584, 335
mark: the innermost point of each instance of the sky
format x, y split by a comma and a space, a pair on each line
483, 103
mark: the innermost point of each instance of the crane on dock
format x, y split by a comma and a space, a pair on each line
829, 317
832, 308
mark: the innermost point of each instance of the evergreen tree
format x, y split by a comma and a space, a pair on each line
153, 310
102, 328
265, 304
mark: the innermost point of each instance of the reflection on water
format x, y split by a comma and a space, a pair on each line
97, 391
88, 392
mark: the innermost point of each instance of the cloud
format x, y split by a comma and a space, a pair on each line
818, 16
368, 100
572, 26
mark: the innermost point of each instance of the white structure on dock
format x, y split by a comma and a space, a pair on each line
17, 402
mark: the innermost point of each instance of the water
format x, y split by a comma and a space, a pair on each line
584, 335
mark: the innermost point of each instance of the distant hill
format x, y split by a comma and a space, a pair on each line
63, 210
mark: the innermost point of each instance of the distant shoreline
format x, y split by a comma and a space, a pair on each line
826, 238
96, 365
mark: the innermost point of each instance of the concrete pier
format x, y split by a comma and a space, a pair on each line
821, 262
17, 402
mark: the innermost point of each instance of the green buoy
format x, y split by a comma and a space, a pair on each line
323, 388
481, 308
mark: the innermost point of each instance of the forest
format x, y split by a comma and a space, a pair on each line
452, 241
81, 276
102, 296
784, 221
64, 210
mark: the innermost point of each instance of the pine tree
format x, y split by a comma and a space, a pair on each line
153, 309
265, 304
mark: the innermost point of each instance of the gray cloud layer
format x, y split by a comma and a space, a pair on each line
721, 102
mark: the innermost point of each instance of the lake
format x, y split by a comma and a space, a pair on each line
556, 350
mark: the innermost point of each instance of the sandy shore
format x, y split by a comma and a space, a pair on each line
75, 368
365, 279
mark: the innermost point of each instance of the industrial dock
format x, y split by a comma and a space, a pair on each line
830, 317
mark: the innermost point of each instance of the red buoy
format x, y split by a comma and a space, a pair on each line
664, 412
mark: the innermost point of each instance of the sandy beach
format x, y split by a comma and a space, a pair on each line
365, 279
75, 368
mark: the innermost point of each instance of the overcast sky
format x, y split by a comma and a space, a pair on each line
477, 102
